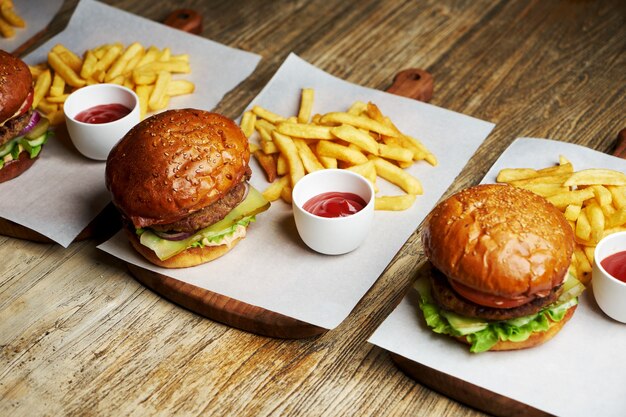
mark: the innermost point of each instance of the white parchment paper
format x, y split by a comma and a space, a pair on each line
581, 372
63, 191
37, 14
272, 268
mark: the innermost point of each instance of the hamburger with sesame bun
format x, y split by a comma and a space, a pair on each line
23, 131
180, 182
498, 269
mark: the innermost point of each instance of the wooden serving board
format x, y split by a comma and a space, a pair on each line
411, 83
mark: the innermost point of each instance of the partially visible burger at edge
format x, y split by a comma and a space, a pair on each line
180, 181
499, 259
23, 131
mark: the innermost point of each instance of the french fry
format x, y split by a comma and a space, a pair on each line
340, 152
159, 92
104, 63
10, 15
68, 74
544, 190
306, 105
397, 153
543, 179
513, 174
281, 165
143, 93
70, 58
583, 267
306, 131
359, 138
617, 218
357, 108
596, 221
288, 149
562, 200
268, 145
89, 65
55, 117
272, 193
572, 211
397, 176
267, 115
285, 194
367, 170
119, 66
327, 161
58, 86
394, 203
6, 30
247, 123
358, 121
419, 150
268, 163
618, 195
181, 87
602, 194
309, 160
596, 176
42, 85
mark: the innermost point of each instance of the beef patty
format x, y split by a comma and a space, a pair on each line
448, 299
13, 127
208, 215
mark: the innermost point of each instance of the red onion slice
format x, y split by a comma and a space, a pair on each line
172, 235
247, 189
34, 119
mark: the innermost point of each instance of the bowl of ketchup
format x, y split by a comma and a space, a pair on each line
333, 210
98, 116
609, 275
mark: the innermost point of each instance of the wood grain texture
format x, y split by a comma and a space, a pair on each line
225, 309
79, 336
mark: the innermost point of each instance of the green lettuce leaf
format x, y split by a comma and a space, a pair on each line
240, 216
483, 335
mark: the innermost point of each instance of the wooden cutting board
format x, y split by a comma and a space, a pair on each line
411, 83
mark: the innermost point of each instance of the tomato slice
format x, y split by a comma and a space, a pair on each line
489, 300
27, 103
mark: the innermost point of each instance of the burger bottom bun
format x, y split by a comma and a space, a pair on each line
535, 339
15, 167
185, 259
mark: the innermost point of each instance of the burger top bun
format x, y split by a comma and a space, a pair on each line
15, 84
500, 240
175, 163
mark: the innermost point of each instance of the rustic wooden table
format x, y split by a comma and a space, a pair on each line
79, 336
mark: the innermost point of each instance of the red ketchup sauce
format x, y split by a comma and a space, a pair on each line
334, 204
103, 113
616, 265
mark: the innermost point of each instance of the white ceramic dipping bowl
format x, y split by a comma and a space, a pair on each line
609, 292
333, 235
95, 141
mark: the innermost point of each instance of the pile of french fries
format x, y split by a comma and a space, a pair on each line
361, 139
9, 19
147, 71
592, 200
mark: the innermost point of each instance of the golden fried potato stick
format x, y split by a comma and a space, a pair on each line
68, 74
288, 149
306, 105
